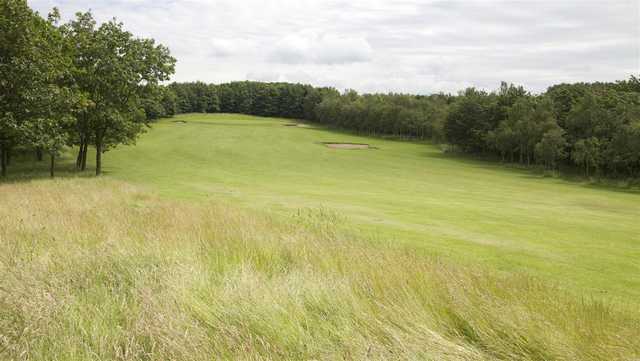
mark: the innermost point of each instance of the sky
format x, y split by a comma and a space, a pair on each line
408, 46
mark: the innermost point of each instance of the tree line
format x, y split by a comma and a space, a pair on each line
592, 126
595, 127
74, 84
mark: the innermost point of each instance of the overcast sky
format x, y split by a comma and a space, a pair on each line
416, 46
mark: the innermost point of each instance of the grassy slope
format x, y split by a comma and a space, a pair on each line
403, 191
93, 269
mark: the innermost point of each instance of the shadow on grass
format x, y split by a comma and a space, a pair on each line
350, 133
568, 175
26, 169
225, 124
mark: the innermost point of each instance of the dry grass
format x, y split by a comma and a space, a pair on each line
94, 269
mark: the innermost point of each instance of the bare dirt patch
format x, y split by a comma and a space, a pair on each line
347, 146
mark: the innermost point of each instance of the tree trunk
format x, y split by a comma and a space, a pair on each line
7, 156
79, 158
98, 158
39, 155
3, 161
52, 165
85, 148
521, 155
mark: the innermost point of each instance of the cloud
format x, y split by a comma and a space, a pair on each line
293, 77
228, 47
327, 49
380, 45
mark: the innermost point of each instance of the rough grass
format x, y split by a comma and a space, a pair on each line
97, 269
584, 237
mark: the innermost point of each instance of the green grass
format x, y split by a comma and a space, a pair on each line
583, 237
408, 192
98, 269
237, 238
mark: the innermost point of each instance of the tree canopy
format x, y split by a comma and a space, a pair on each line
117, 72
76, 84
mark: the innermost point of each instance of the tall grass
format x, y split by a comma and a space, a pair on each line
96, 269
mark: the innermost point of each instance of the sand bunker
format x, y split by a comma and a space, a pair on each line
299, 125
179, 122
346, 146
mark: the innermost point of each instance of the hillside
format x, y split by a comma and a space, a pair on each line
100, 269
402, 193
239, 237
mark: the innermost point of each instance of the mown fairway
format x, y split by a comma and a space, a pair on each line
405, 192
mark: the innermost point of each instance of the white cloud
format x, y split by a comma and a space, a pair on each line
321, 49
386, 45
293, 77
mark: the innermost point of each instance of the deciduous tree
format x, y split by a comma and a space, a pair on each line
115, 70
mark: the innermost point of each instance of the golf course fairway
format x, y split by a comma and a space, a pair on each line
400, 192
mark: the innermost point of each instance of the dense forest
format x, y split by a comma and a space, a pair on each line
79, 84
592, 126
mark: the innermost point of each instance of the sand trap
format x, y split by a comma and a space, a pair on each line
179, 122
299, 125
346, 146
